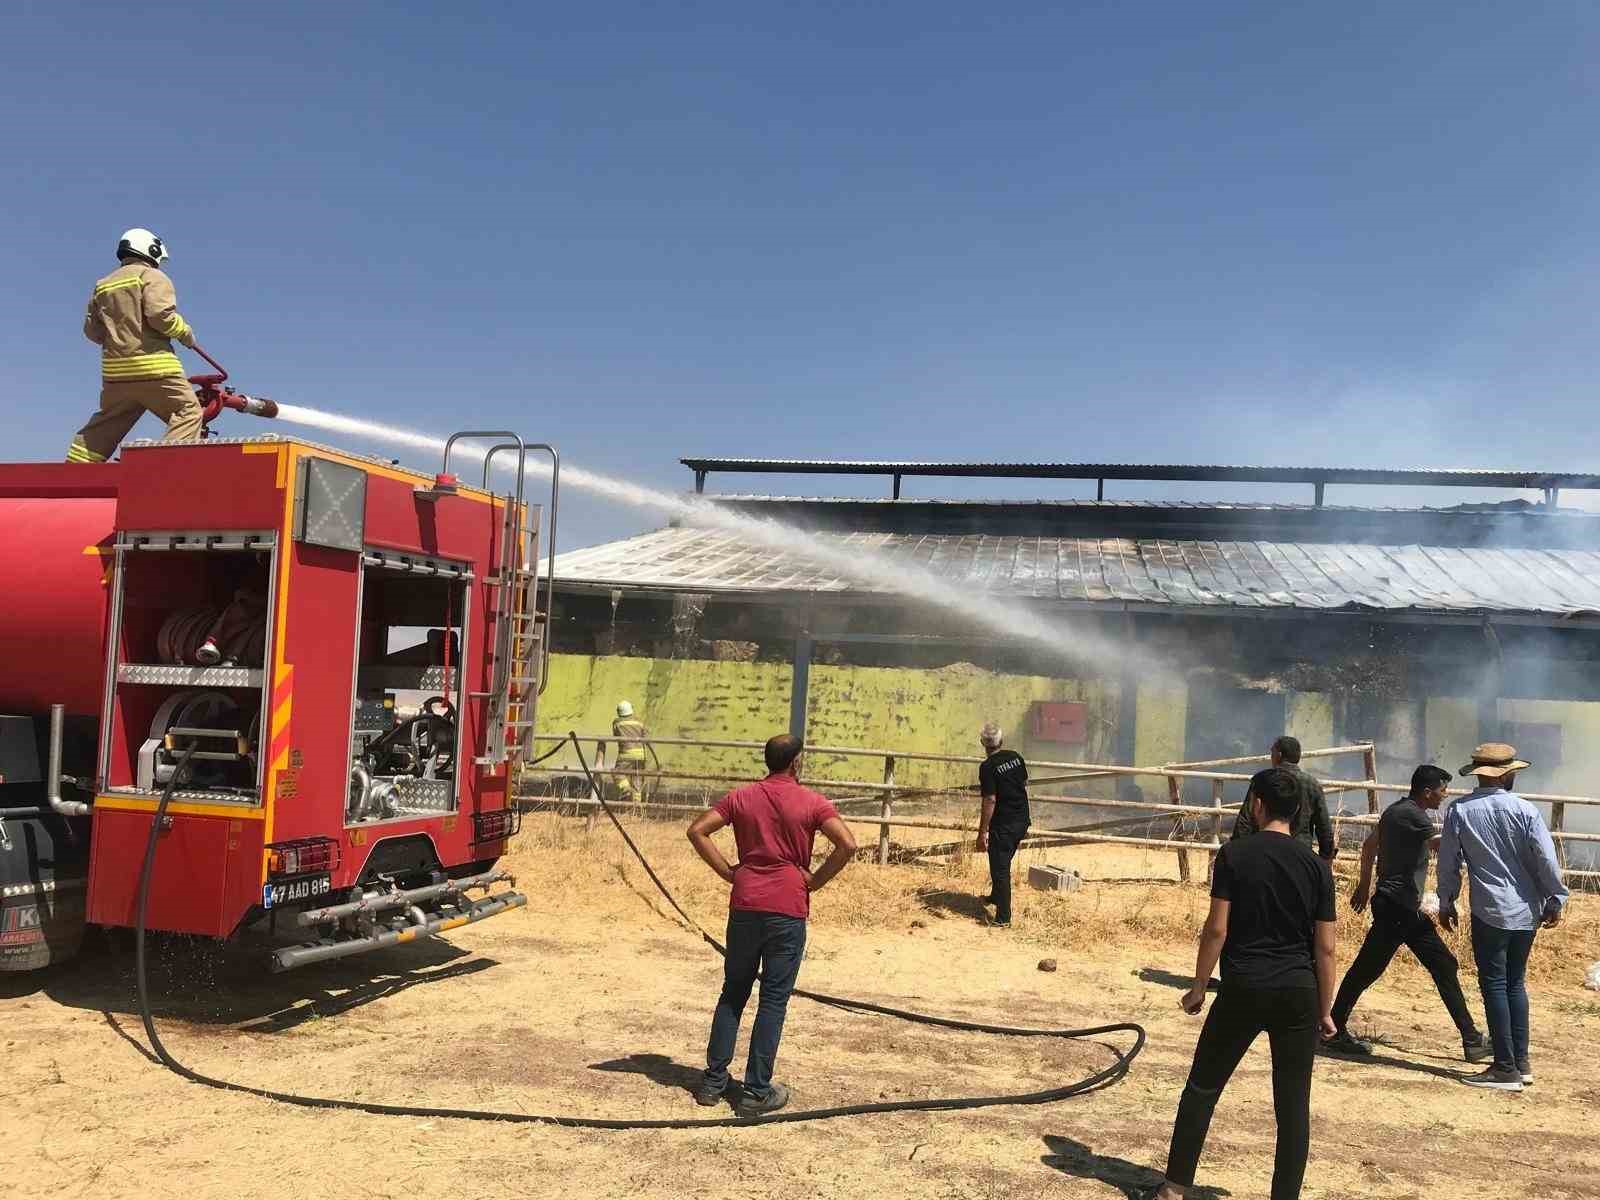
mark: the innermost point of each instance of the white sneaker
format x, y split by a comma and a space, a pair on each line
1526, 1072
1495, 1078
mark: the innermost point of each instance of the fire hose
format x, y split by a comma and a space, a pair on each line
1099, 1079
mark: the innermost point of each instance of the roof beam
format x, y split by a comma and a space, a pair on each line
1545, 481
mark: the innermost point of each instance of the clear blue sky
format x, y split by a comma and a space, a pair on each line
1257, 233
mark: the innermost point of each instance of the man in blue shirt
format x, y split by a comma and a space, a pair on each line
1516, 887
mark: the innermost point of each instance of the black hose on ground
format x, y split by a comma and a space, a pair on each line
1099, 1079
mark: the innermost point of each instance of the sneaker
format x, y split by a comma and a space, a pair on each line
1344, 1042
749, 1106
999, 924
1479, 1049
1526, 1071
708, 1093
1497, 1078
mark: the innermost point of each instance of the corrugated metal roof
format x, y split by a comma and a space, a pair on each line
1249, 576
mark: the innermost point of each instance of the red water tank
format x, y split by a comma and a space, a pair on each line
56, 523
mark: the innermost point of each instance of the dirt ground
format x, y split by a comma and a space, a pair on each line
592, 1001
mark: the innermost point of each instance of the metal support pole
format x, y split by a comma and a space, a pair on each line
1318, 493
897, 487
886, 810
797, 688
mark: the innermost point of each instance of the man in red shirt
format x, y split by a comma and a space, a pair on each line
775, 823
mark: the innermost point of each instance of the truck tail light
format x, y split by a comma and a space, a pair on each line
495, 826
302, 856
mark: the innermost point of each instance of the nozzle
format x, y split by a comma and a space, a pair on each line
256, 406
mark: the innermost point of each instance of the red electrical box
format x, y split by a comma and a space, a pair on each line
1060, 721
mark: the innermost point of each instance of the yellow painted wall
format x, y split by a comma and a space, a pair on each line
1309, 717
1578, 773
939, 711
1451, 730
931, 711
729, 701
1162, 711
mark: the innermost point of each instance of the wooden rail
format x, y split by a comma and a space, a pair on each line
1212, 817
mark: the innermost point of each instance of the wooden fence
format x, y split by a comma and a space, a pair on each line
1211, 818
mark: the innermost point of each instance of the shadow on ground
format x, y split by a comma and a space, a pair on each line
960, 904
1403, 1064
196, 981
1173, 979
1077, 1161
657, 1068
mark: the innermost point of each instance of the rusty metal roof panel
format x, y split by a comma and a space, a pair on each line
1253, 576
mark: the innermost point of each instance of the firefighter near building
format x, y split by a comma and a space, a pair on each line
325, 666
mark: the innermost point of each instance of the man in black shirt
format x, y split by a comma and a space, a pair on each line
1312, 815
1003, 819
1400, 844
1271, 923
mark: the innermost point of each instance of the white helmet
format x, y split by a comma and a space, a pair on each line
144, 244
624, 709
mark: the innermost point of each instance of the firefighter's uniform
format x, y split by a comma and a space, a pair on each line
629, 769
132, 317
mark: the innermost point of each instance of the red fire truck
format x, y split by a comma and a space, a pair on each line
331, 663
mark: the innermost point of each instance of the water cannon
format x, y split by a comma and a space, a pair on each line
214, 397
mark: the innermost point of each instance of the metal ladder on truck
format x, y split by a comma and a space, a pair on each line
518, 628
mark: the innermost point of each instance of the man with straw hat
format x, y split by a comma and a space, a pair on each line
1516, 887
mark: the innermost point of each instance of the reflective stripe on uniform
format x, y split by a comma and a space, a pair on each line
79, 453
141, 366
177, 327
112, 285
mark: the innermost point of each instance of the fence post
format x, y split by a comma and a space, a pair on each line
1174, 796
886, 809
1558, 821
1369, 764
1216, 821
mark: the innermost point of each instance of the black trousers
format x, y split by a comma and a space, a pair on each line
1393, 926
1289, 1017
1003, 842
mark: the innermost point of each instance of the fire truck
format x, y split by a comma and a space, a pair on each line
327, 665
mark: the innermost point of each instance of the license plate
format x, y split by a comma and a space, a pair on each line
300, 890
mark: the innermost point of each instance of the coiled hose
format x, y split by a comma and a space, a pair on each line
1099, 1079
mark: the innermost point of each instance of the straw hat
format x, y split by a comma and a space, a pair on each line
1494, 759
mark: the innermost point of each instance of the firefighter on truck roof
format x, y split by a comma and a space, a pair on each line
133, 317
632, 740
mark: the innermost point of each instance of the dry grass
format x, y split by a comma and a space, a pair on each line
1131, 896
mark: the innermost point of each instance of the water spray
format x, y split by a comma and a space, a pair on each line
859, 562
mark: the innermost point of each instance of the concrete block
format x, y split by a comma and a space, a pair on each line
1054, 879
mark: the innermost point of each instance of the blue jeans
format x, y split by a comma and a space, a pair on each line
1502, 958
773, 944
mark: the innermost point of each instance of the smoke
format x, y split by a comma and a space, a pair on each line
860, 564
